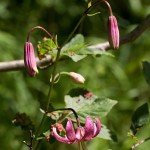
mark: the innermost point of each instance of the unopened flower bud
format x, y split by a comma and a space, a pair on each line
113, 32
29, 59
77, 77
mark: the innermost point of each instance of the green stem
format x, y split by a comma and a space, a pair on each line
53, 77
78, 145
49, 96
85, 14
83, 145
139, 143
36, 148
67, 109
71, 34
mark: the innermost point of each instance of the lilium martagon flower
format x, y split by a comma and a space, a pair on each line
29, 55
29, 59
74, 135
113, 32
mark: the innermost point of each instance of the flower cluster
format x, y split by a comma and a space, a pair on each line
74, 135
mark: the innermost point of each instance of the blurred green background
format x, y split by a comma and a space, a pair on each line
119, 78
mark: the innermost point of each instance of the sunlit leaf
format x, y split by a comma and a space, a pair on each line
76, 43
76, 49
87, 104
89, 4
106, 134
46, 46
72, 48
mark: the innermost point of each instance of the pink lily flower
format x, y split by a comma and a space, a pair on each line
29, 59
113, 32
88, 132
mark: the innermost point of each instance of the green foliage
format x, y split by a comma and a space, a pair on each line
106, 134
140, 117
77, 49
47, 46
146, 71
88, 104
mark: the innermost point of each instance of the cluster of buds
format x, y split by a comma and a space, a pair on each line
75, 135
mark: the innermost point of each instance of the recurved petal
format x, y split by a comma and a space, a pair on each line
70, 131
59, 138
80, 132
89, 128
97, 126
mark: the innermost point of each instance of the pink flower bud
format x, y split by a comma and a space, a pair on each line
113, 32
77, 77
29, 59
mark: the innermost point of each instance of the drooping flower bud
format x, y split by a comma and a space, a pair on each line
77, 77
29, 59
113, 32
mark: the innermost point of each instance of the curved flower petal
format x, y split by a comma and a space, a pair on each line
29, 59
70, 132
59, 138
80, 132
97, 127
89, 128
113, 32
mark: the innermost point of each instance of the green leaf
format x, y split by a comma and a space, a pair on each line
72, 48
87, 104
140, 117
77, 58
97, 52
76, 43
146, 71
106, 134
89, 4
76, 49
47, 46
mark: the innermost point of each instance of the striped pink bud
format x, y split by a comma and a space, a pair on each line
113, 32
29, 59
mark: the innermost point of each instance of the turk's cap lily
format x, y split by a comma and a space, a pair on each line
74, 135
113, 32
29, 59
77, 78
